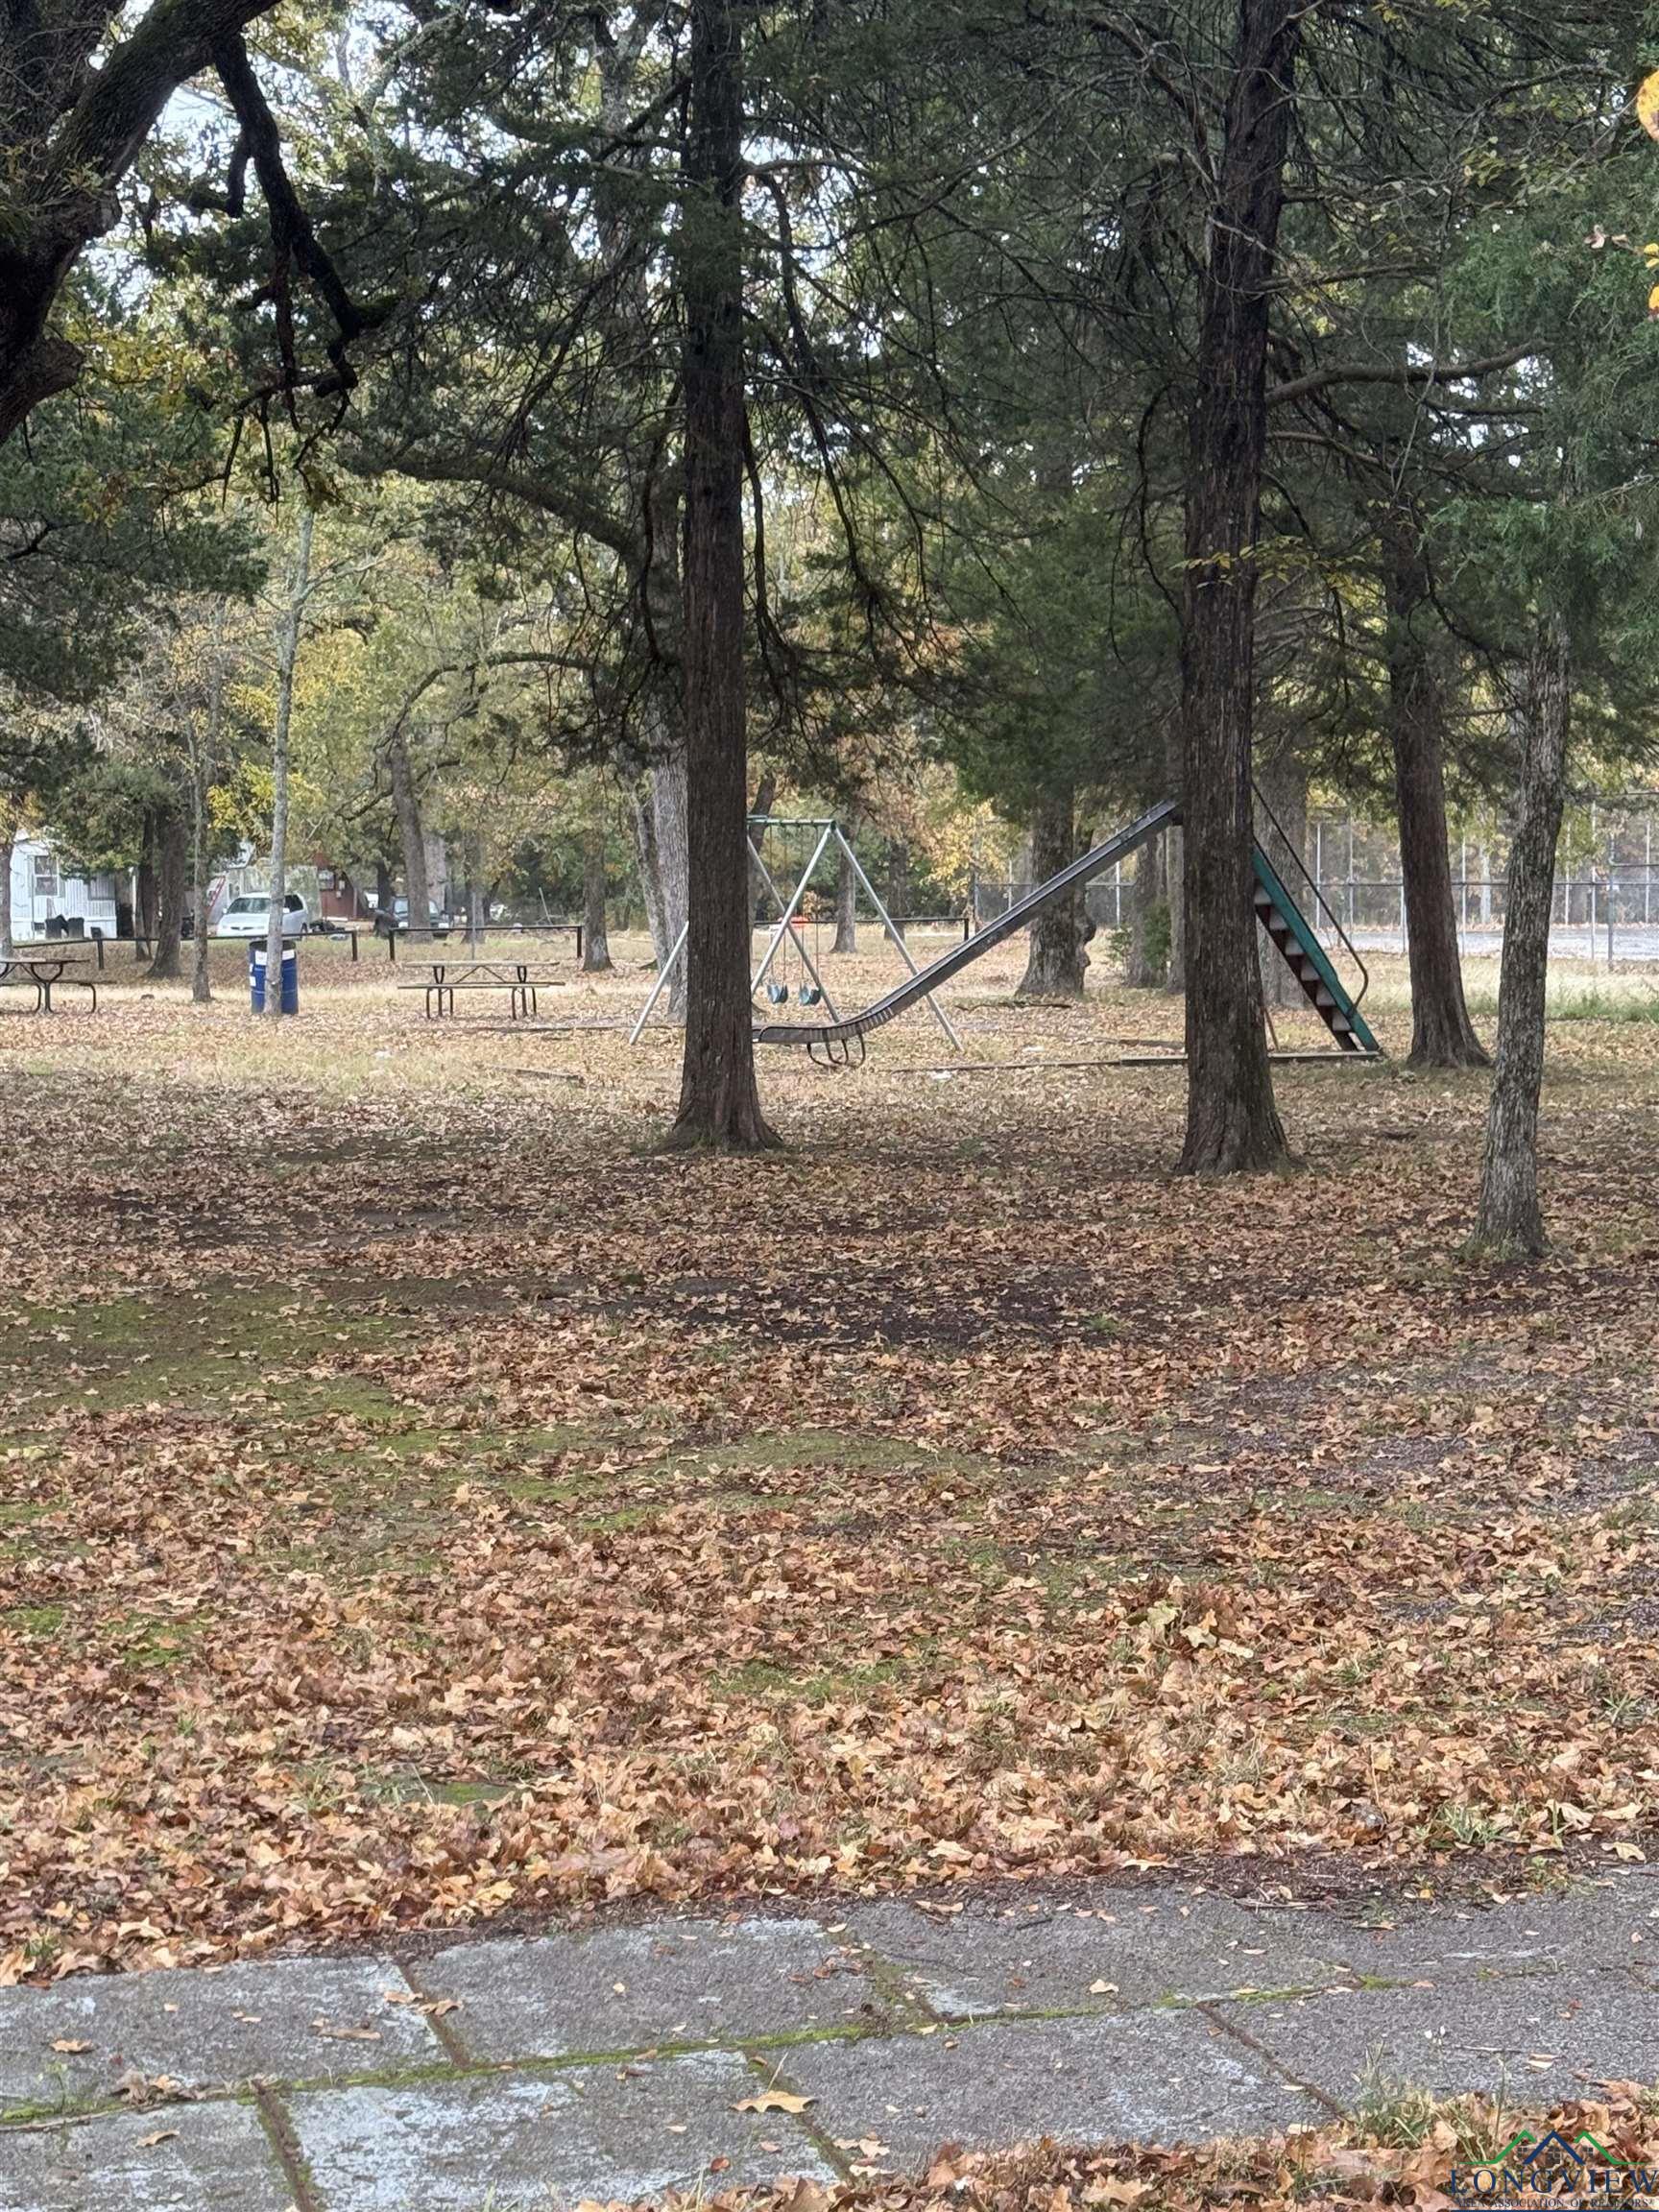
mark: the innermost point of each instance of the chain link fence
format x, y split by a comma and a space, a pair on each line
1606, 883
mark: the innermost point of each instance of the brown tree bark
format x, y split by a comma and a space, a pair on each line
1232, 1121
203, 758
1146, 960
845, 899
719, 1103
1509, 1219
412, 836
661, 849
1442, 1034
9, 819
1056, 961
595, 934
172, 879
288, 637
145, 902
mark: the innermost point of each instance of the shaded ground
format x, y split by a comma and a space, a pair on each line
418, 1504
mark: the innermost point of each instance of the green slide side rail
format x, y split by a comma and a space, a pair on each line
1308, 940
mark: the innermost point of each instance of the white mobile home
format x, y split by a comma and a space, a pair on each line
42, 891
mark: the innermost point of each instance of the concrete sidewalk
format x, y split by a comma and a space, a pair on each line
528, 2074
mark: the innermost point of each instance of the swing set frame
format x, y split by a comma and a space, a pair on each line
831, 839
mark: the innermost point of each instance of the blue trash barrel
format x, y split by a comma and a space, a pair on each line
290, 983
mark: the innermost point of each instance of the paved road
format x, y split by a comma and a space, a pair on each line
522, 2076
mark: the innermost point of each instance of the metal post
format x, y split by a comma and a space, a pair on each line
1117, 894
1648, 871
657, 989
934, 1007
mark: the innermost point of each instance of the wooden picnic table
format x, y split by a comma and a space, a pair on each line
44, 970
519, 978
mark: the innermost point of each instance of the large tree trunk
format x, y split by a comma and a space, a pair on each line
719, 1103
10, 818
473, 860
1146, 960
1232, 1121
661, 846
1509, 1219
1442, 1034
595, 935
203, 756
173, 875
287, 660
412, 836
845, 899
144, 887
1055, 963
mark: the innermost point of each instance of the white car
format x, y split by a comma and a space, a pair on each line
249, 916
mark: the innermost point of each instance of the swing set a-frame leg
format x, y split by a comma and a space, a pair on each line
661, 984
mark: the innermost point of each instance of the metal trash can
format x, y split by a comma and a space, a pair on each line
289, 987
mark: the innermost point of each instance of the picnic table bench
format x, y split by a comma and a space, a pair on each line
44, 970
519, 978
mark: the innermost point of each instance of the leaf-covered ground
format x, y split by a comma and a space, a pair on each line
420, 1502
1407, 2152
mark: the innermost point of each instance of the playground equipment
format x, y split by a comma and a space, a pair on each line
786, 945
833, 1043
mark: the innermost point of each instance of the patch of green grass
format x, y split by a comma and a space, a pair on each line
34, 1619
194, 1349
156, 1640
1391, 2111
1590, 1002
620, 1521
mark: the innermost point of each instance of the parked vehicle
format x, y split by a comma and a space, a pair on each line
397, 921
249, 916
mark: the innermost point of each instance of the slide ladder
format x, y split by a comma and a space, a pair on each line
1306, 960
1278, 913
